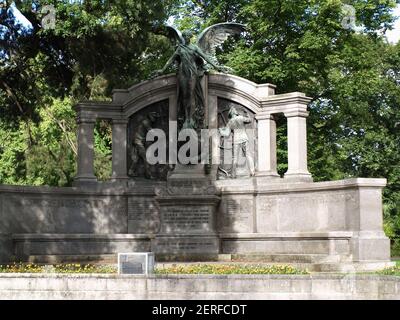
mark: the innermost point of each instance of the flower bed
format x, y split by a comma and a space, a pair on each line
229, 269
58, 268
393, 271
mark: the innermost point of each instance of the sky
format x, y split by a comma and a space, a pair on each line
393, 36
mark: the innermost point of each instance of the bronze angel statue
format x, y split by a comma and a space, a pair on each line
193, 61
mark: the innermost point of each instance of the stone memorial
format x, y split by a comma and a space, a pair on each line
194, 178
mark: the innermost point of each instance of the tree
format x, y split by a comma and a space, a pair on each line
95, 46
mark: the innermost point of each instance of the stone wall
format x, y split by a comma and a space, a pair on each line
341, 219
334, 218
62, 210
6, 248
91, 220
187, 287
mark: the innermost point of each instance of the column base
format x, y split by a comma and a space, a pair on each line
188, 172
119, 179
267, 177
298, 177
268, 174
84, 180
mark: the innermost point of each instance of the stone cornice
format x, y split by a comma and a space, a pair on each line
291, 104
259, 98
236, 187
97, 110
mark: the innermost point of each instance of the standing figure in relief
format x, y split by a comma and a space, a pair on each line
138, 147
236, 125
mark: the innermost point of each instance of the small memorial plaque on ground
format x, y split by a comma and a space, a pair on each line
136, 263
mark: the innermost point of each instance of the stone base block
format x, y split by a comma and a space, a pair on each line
75, 258
5, 249
27, 245
320, 243
186, 248
371, 249
287, 258
350, 267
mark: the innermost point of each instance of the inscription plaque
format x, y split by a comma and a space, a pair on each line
237, 215
136, 263
190, 219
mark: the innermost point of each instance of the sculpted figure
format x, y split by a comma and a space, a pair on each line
138, 147
193, 61
236, 125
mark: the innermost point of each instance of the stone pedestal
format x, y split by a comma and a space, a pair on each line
188, 219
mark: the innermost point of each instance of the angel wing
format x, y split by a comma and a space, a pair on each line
214, 36
171, 33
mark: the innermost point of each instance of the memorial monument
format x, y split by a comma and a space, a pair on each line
223, 201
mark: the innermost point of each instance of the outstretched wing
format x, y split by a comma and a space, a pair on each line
214, 36
170, 32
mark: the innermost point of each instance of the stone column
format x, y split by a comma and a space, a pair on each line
173, 131
267, 164
85, 151
215, 137
297, 146
119, 150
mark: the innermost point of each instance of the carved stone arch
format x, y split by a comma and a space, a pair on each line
149, 92
240, 90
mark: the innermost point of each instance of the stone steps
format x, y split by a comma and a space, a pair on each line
58, 259
284, 258
76, 246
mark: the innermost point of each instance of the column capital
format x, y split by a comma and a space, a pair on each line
264, 116
297, 113
85, 120
120, 121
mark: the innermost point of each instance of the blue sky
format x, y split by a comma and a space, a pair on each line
393, 35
